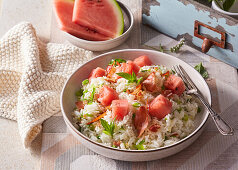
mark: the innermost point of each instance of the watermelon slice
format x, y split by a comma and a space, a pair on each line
64, 11
104, 16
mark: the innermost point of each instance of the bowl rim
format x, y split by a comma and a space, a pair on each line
216, 7
125, 150
110, 40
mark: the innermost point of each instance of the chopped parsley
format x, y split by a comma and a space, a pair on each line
85, 82
92, 95
140, 146
117, 60
79, 93
198, 110
108, 128
202, 70
136, 104
185, 118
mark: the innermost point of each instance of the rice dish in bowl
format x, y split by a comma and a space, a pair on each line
134, 105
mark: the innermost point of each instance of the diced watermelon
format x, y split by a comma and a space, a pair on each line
120, 109
160, 107
132, 66
151, 83
64, 11
98, 72
104, 16
175, 84
107, 95
127, 67
143, 61
79, 105
141, 120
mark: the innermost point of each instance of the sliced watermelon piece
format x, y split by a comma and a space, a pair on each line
120, 109
175, 84
104, 16
107, 95
97, 72
160, 107
142, 61
64, 11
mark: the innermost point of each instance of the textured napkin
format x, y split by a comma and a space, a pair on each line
32, 75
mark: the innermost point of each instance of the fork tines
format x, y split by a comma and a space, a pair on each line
187, 80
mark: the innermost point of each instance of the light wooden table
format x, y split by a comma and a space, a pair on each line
55, 148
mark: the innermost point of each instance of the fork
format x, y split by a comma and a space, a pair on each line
191, 88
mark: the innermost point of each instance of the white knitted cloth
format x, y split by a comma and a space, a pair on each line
32, 75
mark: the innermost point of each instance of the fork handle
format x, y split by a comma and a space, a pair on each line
221, 124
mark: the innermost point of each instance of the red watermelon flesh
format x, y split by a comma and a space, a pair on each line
104, 16
64, 11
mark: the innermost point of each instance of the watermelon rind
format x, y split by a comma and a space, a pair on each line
120, 17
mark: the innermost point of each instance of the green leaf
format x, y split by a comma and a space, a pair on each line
85, 82
92, 95
140, 146
199, 110
136, 104
202, 70
108, 128
139, 80
79, 93
185, 118
117, 60
130, 77
124, 75
228, 4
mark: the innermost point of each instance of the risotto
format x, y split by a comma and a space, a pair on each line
134, 105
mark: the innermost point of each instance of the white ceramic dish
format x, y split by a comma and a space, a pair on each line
233, 12
105, 45
73, 84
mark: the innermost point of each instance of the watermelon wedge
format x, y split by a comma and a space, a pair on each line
104, 16
64, 11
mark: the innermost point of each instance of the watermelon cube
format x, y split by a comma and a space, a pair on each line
98, 72
107, 95
143, 61
120, 109
175, 84
160, 107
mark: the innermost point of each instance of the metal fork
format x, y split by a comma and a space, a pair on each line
191, 88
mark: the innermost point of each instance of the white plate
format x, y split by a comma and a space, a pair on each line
73, 84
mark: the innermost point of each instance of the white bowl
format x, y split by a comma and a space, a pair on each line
108, 44
230, 13
73, 84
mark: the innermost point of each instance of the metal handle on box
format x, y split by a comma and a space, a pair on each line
208, 42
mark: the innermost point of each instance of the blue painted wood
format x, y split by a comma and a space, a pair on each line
176, 19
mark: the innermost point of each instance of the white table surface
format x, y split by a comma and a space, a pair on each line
223, 83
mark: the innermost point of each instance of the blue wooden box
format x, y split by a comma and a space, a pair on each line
176, 18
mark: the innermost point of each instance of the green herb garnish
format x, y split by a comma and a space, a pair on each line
179, 109
202, 70
115, 61
85, 82
185, 117
162, 87
124, 90
98, 137
92, 95
91, 127
166, 138
108, 128
174, 49
79, 93
130, 77
133, 116
140, 146
136, 104
198, 110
